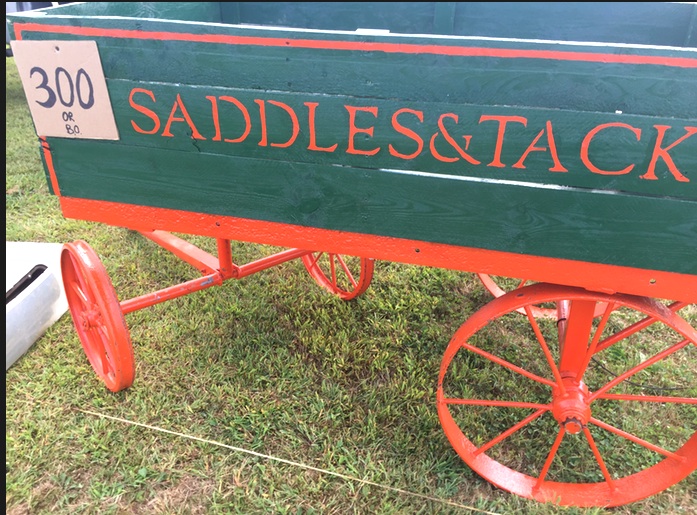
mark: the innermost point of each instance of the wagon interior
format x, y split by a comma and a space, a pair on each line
643, 23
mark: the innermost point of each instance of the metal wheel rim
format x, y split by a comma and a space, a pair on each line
97, 316
328, 275
624, 490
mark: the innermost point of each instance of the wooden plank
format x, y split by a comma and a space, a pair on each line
585, 225
414, 17
551, 84
555, 83
204, 12
647, 23
548, 146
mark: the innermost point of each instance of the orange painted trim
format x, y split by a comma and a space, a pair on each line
48, 157
363, 46
593, 276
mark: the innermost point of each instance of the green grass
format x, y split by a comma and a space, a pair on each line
274, 365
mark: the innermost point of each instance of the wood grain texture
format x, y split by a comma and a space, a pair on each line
404, 136
576, 224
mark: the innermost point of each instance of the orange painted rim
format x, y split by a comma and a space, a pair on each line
339, 274
97, 316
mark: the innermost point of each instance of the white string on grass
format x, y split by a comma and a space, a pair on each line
288, 462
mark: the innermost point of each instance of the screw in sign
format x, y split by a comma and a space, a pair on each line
66, 89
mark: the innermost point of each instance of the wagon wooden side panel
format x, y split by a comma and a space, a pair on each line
562, 152
556, 143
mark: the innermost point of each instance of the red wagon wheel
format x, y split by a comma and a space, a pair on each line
345, 276
599, 412
498, 286
97, 316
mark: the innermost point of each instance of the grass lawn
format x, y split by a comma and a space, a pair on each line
268, 395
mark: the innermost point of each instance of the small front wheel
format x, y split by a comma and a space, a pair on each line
345, 276
97, 316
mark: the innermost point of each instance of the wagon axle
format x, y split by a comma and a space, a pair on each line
91, 318
571, 407
99, 317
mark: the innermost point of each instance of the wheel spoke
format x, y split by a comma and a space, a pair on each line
598, 458
103, 355
316, 259
545, 348
647, 398
508, 365
332, 267
550, 458
97, 351
501, 404
78, 288
510, 431
103, 332
106, 364
636, 439
658, 357
635, 328
348, 272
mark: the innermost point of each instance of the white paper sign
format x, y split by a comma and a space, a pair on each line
65, 88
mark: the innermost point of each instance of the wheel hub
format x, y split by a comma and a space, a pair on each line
572, 407
90, 318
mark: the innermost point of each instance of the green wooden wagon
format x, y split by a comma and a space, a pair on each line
555, 143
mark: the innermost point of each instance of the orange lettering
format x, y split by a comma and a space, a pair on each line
312, 107
178, 104
293, 119
452, 141
503, 121
408, 133
552, 150
663, 154
245, 114
436, 154
216, 117
353, 130
147, 112
587, 141
262, 116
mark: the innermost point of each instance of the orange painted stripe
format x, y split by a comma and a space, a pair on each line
593, 276
364, 46
48, 157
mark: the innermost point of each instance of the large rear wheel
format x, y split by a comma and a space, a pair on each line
582, 410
